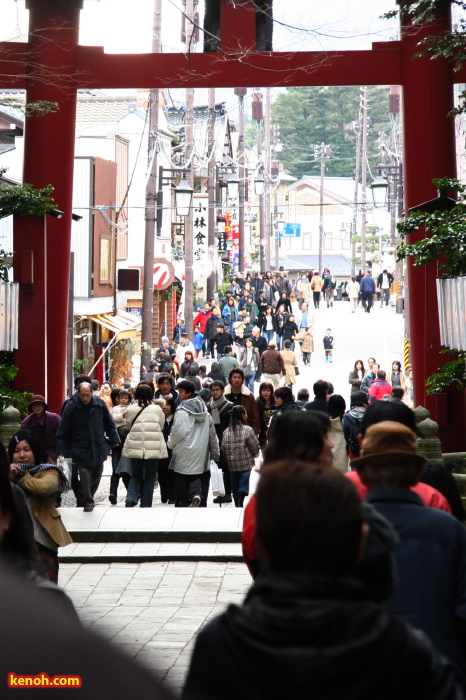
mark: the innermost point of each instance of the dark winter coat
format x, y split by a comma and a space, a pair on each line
83, 429
289, 330
302, 636
367, 284
45, 431
431, 568
222, 340
211, 327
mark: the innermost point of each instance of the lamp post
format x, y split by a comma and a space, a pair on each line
280, 228
148, 285
387, 193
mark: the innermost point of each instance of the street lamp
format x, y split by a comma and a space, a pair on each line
280, 226
259, 184
183, 197
379, 189
233, 188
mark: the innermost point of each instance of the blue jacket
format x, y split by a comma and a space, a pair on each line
198, 339
367, 284
83, 429
431, 564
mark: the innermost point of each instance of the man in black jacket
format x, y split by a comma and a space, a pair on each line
84, 425
308, 628
222, 339
384, 282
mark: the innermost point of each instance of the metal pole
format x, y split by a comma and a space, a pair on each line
267, 217
354, 228
188, 222
242, 183
151, 199
321, 207
364, 178
211, 193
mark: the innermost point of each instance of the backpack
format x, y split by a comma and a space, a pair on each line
352, 443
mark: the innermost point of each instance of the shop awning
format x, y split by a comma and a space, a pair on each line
123, 325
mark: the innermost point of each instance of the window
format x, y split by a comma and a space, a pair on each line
105, 260
307, 240
328, 240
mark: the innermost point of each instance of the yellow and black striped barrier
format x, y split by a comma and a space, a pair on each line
407, 362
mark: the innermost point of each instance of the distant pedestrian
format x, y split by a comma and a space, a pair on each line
356, 376
384, 282
272, 365
367, 287
240, 446
316, 286
352, 290
328, 345
379, 387
329, 284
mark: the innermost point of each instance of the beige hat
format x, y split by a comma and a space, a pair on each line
272, 344
388, 443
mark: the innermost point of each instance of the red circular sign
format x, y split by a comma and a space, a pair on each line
164, 274
263, 242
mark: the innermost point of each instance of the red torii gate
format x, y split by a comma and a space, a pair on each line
52, 66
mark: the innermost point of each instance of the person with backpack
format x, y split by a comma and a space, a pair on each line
329, 284
352, 422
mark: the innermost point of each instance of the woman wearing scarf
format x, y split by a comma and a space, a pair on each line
41, 483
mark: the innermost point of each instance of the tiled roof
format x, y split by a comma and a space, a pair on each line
102, 109
339, 265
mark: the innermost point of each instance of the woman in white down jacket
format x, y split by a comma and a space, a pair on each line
144, 445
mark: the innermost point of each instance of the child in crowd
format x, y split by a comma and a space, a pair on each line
198, 339
124, 399
240, 447
328, 345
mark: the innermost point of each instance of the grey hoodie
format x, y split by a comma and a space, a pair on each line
193, 438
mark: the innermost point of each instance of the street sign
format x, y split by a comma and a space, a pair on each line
291, 231
263, 242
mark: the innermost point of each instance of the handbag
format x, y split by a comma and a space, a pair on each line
65, 466
247, 372
296, 370
216, 480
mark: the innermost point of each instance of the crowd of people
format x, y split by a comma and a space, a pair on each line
349, 535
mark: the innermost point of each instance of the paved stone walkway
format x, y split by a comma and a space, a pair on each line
153, 611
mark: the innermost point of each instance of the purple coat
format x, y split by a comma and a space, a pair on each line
45, 430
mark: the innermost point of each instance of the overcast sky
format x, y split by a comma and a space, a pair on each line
122, 26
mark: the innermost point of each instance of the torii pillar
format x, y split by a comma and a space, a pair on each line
42, 245
429, 152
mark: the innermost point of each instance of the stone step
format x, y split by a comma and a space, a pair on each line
137, 552
161, 524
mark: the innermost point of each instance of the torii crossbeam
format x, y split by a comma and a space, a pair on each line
52, 66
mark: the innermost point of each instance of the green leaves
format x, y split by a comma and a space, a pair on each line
25, 200
445, 232
452, 372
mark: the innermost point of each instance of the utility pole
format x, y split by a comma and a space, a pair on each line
364, 179
151, 199
322, 152
211, 219
354, 225
267, 217
258, 115
189, 140
241, 92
